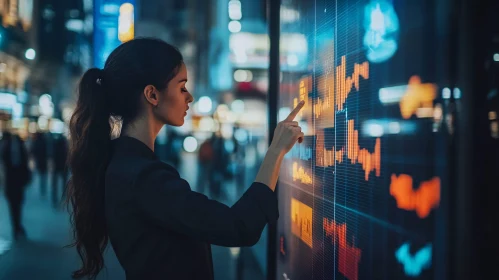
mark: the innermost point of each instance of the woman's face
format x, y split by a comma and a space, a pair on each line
172, 107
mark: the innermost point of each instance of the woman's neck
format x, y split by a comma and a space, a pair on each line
143, 130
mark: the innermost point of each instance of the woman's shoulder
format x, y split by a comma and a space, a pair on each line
124, 169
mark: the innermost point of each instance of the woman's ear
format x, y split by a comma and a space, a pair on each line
151, 95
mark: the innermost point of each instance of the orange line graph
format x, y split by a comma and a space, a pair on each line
422, 200
348, 255
417, 96
333, 87
324, 157
344, 84
300, 174
324, 105
369, 161
305, 87
301, 221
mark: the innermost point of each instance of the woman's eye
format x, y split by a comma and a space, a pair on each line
184, 90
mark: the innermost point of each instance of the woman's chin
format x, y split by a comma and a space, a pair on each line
179, 122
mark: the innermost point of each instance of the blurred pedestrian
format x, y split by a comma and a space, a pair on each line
120, 191
40, 154
17, 176
205, 158
173, 148
60, 170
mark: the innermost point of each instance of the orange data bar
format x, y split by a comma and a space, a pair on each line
370, 161
324, 157
348, 255
299, 174
301, 221
422, 200
345, 83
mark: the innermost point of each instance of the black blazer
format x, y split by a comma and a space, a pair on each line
160, 229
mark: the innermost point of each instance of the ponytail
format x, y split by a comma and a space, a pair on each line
90, 131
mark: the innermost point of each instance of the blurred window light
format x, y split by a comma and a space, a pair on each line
391, 95
45, 105
492, 115
75, 25
457, 93
226, 130
496, 57
375, 130
293, 43
234, 251
424, 112
88, 5
45, 100
243, 75
283, 113
446, 93
241, 57
17, 111
205, 104
88, 25
235, 10
237, 106
438, 112
241, 135
7, 100
30, 54
111, 9
234, 26
289, 15
32, 127
494, 129
190, 144
394, 127
56, 126
43, 123
229, 146
22, 96
126, 23
207, 124
292, 60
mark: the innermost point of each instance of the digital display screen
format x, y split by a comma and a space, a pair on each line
361, 197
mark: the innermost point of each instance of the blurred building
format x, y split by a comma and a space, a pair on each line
16, 56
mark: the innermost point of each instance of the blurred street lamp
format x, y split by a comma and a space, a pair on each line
190, 144
205, 104
30, 54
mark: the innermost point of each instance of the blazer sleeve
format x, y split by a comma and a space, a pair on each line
168, 201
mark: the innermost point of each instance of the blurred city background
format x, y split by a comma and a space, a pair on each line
46, 45
443, 52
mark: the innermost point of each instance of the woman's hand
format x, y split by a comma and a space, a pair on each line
287, 132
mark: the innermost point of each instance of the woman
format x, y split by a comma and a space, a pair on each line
119, 191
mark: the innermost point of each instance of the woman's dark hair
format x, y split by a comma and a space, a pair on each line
114, 91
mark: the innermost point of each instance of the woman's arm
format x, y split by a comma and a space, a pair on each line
286, 134
170, 203
167, 201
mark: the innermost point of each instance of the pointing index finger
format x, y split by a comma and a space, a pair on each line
295, 111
